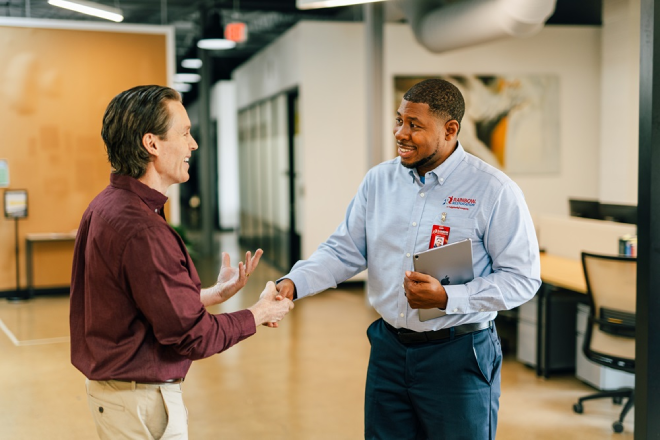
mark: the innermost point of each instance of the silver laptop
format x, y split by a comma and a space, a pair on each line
450, 264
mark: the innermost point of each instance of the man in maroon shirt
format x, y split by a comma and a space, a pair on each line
138, 316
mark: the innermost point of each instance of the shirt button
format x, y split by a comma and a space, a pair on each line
455, 310
414, 223
442, 180
421, 195
156, 211
402, 285
401, 315
407, 255
481, 310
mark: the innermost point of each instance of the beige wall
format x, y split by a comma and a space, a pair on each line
329, 69
55, 85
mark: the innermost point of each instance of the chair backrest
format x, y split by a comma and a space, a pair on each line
612, 290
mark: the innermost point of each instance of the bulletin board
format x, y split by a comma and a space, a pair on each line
58, 78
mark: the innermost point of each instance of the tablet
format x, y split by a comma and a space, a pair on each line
450, 264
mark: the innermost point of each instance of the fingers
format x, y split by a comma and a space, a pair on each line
418, 277
248, 259
242, 277
255, 260
226, 262
269, 291
286, 288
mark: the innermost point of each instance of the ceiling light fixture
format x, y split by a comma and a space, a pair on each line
317, 4
181, 87
187, 78
191, 63
216, 44
90, 8
213, 36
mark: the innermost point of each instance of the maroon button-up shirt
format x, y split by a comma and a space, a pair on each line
136, 312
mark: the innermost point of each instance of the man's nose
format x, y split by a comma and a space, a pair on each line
401, 132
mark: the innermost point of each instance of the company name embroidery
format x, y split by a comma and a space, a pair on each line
460, 201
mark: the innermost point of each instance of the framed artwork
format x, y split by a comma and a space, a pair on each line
510, 121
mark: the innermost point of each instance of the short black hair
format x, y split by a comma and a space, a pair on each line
443, 98
129, 116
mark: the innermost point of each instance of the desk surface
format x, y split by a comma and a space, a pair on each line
563, 272
51, 236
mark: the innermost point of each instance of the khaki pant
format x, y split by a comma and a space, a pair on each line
129, 410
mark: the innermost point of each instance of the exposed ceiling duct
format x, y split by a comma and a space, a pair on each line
442, 26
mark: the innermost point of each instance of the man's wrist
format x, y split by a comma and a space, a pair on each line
211, 295
442, 295
295, 290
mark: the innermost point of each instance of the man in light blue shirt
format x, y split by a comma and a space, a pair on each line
440, 378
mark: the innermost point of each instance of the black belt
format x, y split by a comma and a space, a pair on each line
164, 382
406, 336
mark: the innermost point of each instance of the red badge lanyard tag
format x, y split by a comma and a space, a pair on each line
439, 236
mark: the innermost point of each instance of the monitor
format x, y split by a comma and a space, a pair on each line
619, 213
584, 208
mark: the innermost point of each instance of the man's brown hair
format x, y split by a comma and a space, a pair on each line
129, 116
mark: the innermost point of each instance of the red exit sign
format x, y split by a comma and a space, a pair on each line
236, 31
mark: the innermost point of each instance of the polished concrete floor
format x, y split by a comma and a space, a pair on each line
303, 381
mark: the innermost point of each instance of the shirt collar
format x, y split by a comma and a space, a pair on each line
444, 170
152, 198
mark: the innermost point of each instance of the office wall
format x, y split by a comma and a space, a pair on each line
620, 96
56, 85
326, 61
571, 53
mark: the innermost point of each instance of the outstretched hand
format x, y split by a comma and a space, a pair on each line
271, 306
230, 279
233, 279
286, 289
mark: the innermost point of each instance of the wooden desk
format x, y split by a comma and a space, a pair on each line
30, 239
563, 272
554, 310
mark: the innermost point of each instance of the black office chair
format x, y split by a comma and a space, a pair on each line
609, 339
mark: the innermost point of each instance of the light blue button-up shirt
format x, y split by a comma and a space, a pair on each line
391, 218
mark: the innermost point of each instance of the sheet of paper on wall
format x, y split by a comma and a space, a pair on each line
4, 173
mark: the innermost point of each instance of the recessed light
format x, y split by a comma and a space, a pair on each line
191, 63
181, 87
187, 78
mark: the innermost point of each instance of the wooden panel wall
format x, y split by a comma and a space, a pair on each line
55, 87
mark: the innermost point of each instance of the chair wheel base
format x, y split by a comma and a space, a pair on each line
618, 400
617, 426
578, 408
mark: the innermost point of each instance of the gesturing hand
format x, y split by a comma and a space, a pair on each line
232, 279
424, 291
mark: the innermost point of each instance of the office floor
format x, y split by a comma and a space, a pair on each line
303, 381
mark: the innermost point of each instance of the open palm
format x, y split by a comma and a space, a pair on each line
233, 279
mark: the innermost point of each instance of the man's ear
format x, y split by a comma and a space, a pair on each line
451, 129
149, 143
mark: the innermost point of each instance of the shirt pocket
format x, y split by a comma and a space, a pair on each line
463, 228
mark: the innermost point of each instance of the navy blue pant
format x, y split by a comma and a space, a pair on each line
445, 390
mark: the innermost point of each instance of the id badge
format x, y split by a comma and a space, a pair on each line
439, 236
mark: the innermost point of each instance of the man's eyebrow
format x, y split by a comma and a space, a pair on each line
409, 117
